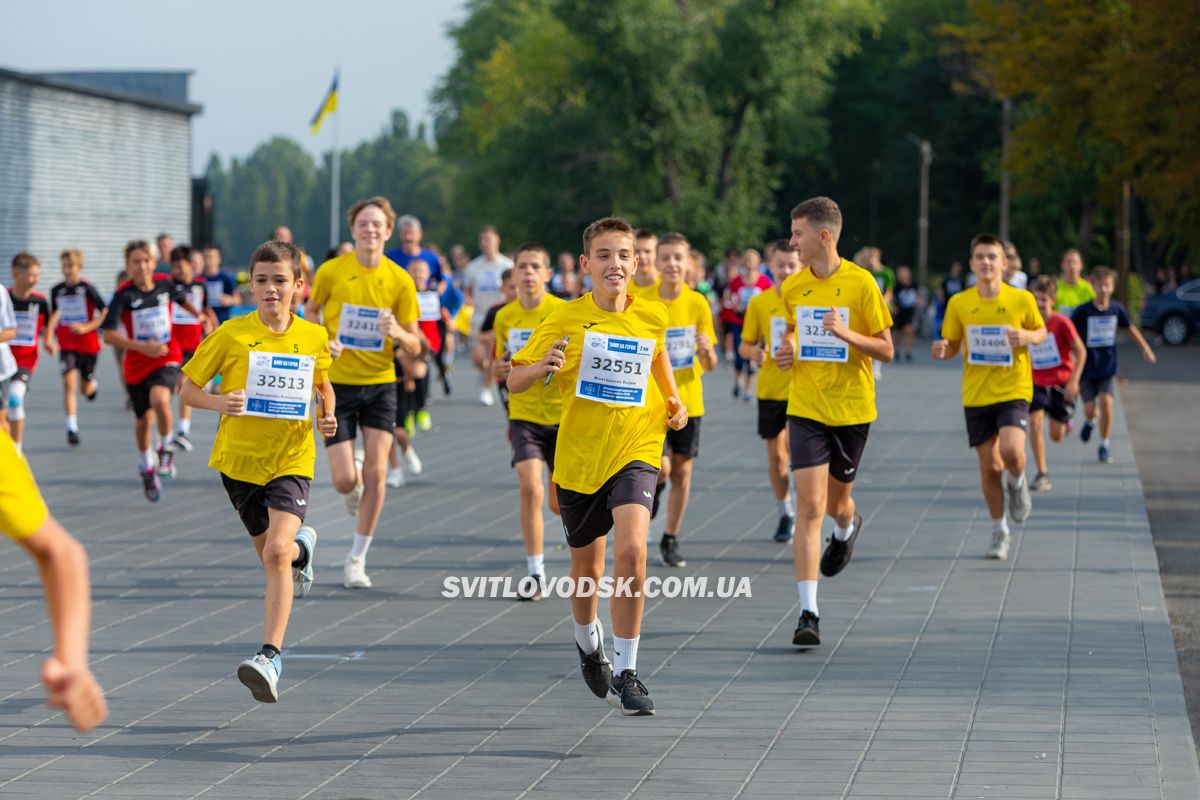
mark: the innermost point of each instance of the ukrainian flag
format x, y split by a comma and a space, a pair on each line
328, 105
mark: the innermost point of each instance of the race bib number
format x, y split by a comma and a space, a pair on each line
152, 324
72, 309
517, 337
614, 369
746, 293
279, 386
681, 346
1046, 355
213, 291
195, 296
430, 304
488, 281
988, 346
1102, 331
778, 331
813, 342
358, 328
26, 328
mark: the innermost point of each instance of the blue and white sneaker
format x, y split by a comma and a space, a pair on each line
1104, 456
302, 578
261, 676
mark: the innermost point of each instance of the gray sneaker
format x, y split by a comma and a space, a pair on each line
1020, 503
999, 548
1042, 483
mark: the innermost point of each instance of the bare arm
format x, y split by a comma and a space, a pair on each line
523, 376
92, 324
1147, 353
943, 349
664, 376
1079, 360
231, 404
7, 334
752, 352
326, 406
706, 352
117, 339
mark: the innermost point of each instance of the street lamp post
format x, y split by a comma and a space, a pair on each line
923, 214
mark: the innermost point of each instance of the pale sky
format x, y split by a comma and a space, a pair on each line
259, 69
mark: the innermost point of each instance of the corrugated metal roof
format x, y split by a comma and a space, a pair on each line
96, 86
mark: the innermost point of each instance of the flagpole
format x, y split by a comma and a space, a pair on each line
335, 181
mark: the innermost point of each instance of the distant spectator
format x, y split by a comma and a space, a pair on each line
952, 284
565, 281
219, 286
908, 306
1013, 275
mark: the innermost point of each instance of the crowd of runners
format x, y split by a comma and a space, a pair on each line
600, 362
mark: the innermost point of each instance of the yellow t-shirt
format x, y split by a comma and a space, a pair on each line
597, 438
259, 449
514, 324
688, 315
996, 373
766, 323
649, 292
341, 281
832, 382
22, 510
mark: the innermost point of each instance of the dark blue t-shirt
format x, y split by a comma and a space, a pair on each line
228, 286
428, 256
1098, 329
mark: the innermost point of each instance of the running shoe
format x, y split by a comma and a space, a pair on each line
785, 528
302, 577
1019, 502
151, 485
486, 397
73, 438
413, 461
261, 676
95, 391
1000, 543
1085, 432
354, 574
530, 589
596, 668
354, 497
1104, 456
1042, 483
424, 421
166, 462
395, 478
410, 425
668, 550
628, 694
808, 630
837, 554
183, 441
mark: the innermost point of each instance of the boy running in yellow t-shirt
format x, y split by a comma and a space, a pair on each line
690, 347
763, 331
995, 325
270, 362
63, 565
601, 350
839, 324
533, 415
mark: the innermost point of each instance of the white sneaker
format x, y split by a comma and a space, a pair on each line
413, 461
353, 499
999, 548
395, 478
486, 397
354, 574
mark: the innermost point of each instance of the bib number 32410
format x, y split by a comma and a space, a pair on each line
614, 369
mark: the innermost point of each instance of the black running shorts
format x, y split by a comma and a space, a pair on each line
684, 442
531, 440
587, 517
139, 393
1051, 400
814, 443
286, 493
985, 422
772, 418
372, 406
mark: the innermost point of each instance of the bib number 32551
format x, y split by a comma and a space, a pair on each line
279, 386
614, 369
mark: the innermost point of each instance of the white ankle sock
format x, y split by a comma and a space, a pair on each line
786, 507
808, 596
149, 460
1000, 525
73, 423
536, 564
360, 545
587, 636
624, 654
1104, 442
185, 427
842, 534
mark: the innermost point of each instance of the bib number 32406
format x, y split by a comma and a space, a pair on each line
988, 346
279, 386
614, 369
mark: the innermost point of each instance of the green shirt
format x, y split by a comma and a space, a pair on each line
1071, 297
885, 279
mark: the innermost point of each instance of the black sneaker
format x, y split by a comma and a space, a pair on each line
183, 441
808, 630
73, 438
597, 669
783, 532
837, 554
658, 490
629, 695
530, 588
668, 549
1085, 432
150, 484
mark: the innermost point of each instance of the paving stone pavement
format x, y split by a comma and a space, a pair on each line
942, 674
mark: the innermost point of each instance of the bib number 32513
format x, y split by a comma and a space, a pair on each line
614, 369
988, 346
279, 386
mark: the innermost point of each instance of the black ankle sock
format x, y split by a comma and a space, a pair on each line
268, 650
302, 561
420, 392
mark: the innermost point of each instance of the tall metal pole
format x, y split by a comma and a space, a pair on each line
923, 223
1005, 178
335, 186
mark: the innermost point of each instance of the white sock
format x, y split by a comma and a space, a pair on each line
808, 596
149, 460
587, 636
168, 441
843, 534
73, 423
536, 564
1104, 442
1000, 525
624, 654
786, 507
1018, 483
185, 427
358, 547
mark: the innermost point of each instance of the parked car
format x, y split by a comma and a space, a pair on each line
1175, 315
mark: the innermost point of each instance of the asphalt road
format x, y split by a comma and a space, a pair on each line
1161, 412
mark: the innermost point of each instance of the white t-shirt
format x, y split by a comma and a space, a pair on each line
483, 278
8, 319
1018, 280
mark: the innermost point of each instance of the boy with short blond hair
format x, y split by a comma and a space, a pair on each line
271, 362
77, 311
602, 350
